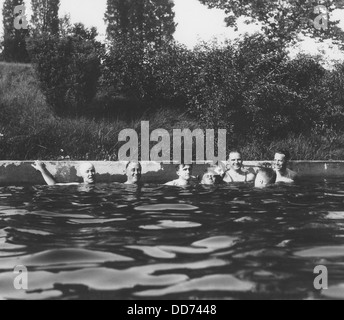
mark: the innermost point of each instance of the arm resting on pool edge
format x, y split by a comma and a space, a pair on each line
39, 166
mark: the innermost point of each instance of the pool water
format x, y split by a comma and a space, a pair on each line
154, 242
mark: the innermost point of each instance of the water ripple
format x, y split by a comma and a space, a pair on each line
165, 207
63, 258
209, 284
169, 224
322, 252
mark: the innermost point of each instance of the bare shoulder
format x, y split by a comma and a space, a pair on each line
69, 184
292, 174
171, 183
227, 178
251, 176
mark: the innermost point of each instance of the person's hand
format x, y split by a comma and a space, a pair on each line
38, 165
228, 167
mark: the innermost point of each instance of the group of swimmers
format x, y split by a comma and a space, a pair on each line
233, 172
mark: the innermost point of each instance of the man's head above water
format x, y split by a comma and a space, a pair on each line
88, 173
265, 177
281, 160
235, 161
133, 171
209, 177
184, 171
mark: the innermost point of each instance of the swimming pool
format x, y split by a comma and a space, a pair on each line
121, 242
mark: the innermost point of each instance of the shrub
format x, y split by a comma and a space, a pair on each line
250, 87
14, 50
30, 130
139, 72
68, 69
328, 101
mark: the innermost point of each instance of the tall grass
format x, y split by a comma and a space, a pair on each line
30, 130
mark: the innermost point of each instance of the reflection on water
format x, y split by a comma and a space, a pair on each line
153, 242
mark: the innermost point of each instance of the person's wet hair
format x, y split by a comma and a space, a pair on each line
269, 175
284, 152
207, 171
182, 165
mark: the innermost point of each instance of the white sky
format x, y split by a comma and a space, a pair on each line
195, 22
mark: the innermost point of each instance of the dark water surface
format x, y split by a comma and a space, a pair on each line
119, 242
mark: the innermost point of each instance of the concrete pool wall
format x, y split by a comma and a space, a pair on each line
21, 172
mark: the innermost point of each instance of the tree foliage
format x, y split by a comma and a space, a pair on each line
282, 19
68, 68
14, 46
146, 20
45, 17
251, 87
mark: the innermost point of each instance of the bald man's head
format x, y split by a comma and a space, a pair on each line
88, 172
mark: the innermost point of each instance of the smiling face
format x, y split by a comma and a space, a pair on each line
235, 161
133, 173
88, 173
184, 172
280, 162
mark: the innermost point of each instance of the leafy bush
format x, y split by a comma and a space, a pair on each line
250, 87
150, 76
30, 130
328, 102
68, 68
14, 50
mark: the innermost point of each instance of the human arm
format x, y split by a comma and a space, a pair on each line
251, 177
39, 166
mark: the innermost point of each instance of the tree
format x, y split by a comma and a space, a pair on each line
146, 20
68, 68
284, 19
14, 46
45, 17
65, 25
